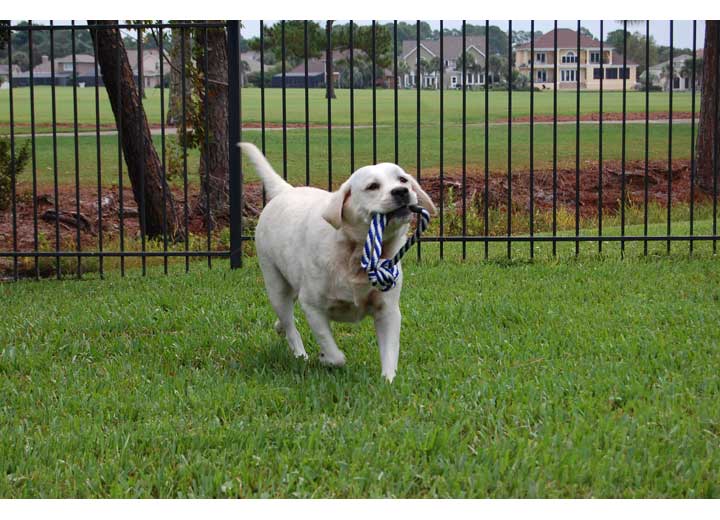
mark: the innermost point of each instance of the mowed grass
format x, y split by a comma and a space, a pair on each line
295, 106
594, 377
407, 151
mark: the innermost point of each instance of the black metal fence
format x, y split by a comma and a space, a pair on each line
446, 116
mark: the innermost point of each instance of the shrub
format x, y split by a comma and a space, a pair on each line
22, 155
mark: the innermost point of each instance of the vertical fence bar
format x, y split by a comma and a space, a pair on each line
418, 82
352, 96
509, 135
206, 132
283, 51
554, 181
577, 142
486, 201
670, 135
329, 81
262, 96
121, 195
307, 106
716, 140
163, 158
183, 88
374, 91
56, 194
464, 138
76, 146
395, 89
143, 214
234, 137
646, 178
33, 151
600, 140
13, 165
692, 138
442, 141
624, 137
531, 202
98, 160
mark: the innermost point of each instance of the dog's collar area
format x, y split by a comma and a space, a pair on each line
384, 273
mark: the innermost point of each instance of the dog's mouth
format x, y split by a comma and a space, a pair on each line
403, 212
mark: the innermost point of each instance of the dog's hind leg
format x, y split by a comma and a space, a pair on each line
282, 300
330, 354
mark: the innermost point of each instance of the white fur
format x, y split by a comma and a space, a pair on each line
309, 243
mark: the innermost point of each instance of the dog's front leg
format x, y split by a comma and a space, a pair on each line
387, 329
330, 354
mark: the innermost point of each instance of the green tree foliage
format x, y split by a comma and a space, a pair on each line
41, 45
294, 41
22, 155
635, 47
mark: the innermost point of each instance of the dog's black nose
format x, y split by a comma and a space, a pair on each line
401, 195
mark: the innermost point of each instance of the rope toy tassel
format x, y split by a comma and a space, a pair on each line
384, 273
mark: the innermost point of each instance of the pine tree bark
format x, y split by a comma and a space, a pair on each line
143, 164
329, 69
709, 114
174, 114
214, 118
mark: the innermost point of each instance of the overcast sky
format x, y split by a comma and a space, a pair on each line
660, 30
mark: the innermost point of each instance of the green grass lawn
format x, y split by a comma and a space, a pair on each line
295, 99
593, 377
430, 150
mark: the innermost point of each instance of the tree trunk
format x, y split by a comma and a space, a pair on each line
709, 113
214, 117
143, 164
174, 115
329, 69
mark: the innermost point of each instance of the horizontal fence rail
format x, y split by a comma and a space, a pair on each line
118, 139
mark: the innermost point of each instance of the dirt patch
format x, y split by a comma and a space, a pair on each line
588, 187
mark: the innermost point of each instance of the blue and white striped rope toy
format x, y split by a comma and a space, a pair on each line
384, 273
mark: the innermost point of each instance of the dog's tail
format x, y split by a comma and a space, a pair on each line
274, 184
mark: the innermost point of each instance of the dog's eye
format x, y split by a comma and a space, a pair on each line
403, 179
372, 186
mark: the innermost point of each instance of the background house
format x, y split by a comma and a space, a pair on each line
681, 73
452, 67
568, 58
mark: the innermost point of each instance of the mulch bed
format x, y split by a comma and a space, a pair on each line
474, 187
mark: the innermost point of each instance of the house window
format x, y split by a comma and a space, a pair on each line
482, 79
542, 76
453, 80
568, 75
469, 79
597, 73
594, 57
67, 67
611, 73
540, 57
569, 57
676, 82
626, 74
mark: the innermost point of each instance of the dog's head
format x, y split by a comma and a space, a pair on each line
381, 188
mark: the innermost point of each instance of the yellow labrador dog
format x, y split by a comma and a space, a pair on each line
309, 244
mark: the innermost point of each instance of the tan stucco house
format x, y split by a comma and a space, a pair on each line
567, 63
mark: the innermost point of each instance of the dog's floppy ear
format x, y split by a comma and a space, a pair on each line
333, 212
423, 198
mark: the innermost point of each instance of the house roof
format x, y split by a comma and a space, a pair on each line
566, 39
316, 65
79, 58
452, 45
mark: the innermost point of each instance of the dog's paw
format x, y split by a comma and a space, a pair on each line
336, 359
278, 327
389, 376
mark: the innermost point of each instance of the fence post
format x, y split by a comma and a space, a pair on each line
234, 136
